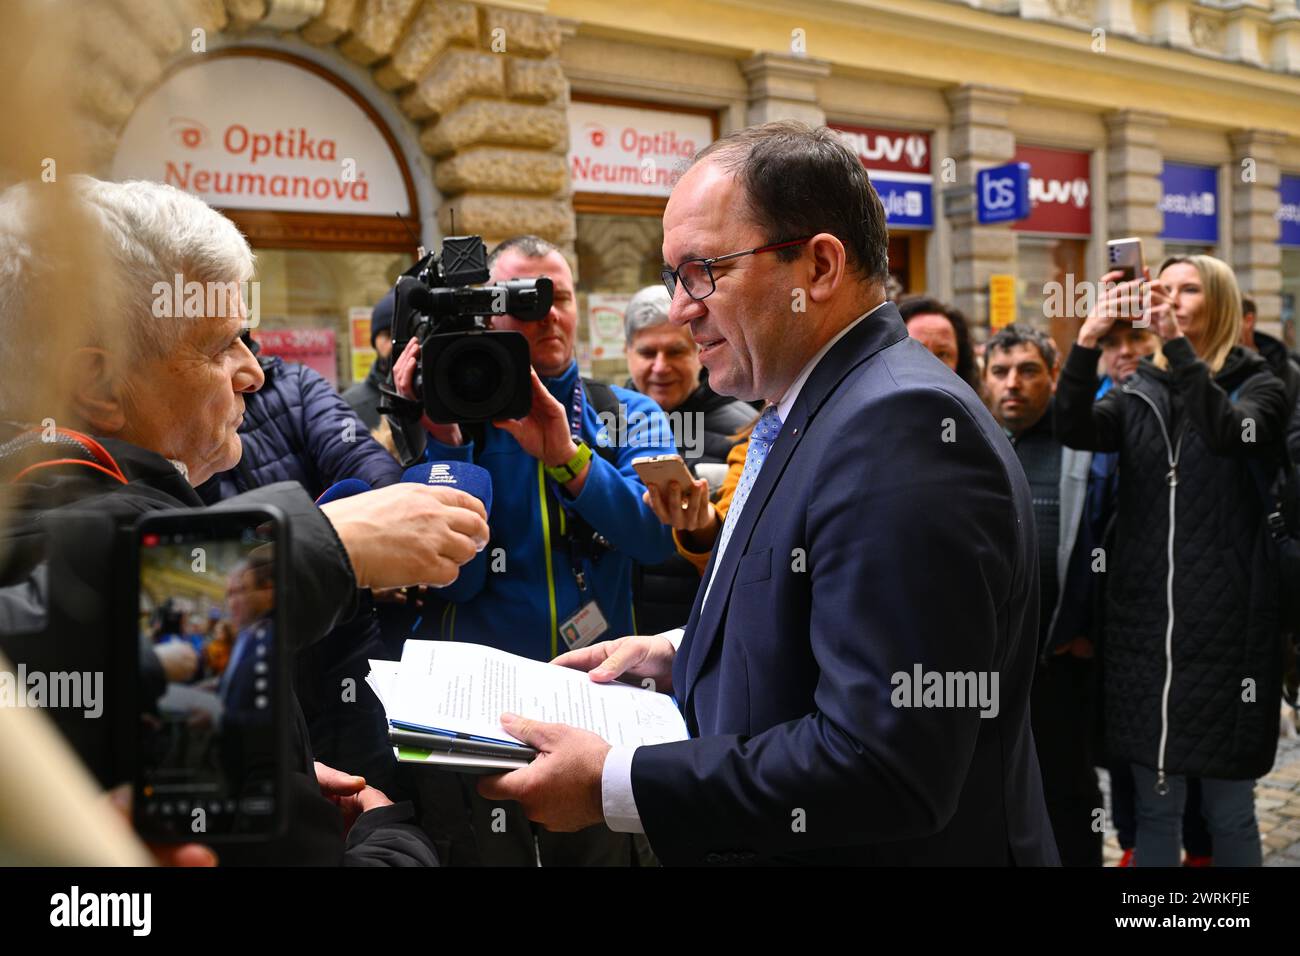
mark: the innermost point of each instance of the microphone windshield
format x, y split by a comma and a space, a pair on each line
343, 489
454, 474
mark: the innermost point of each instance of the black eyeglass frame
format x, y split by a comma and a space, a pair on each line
671, 277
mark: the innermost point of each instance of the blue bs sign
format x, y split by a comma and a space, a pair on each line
898, 163
1288, 214
1190, 203
1002, 193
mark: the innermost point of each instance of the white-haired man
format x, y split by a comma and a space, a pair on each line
135, 397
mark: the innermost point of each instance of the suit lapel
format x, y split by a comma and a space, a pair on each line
881, 329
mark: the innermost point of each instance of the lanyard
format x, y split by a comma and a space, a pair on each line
576, 553
575, 411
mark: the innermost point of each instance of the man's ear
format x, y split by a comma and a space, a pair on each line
829, 262
96, 393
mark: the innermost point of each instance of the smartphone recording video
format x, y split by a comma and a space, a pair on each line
211, 706
1126, 256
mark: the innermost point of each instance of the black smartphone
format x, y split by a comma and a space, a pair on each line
211, 708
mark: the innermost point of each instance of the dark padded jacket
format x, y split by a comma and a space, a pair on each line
1286, 366
1193, 647
297, 428
364, 396
60, 589
663, 593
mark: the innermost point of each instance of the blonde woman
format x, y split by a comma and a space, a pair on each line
1192, 668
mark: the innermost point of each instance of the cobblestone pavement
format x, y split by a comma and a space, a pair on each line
1277, 804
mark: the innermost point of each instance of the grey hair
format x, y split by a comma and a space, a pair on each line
530, 247
145, 235
648, 308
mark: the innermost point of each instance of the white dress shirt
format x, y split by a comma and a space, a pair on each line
617, 800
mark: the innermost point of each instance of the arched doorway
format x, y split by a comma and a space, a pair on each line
313, 177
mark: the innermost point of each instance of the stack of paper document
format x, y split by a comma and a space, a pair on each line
444, 701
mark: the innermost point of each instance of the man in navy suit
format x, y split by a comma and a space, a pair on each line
855, 672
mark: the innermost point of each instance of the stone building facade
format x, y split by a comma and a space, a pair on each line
480, 94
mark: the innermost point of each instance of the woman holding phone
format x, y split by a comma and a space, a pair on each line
1192, 639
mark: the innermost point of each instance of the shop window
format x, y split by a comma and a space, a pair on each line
617, 255
1045, 265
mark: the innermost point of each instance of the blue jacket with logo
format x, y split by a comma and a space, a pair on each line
517, 592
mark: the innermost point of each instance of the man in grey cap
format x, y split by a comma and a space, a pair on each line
664, 364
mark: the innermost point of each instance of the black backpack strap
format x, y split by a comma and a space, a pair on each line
604, 401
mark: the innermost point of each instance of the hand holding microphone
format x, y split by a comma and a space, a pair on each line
417, 532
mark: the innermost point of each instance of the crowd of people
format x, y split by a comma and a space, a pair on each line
1145, 455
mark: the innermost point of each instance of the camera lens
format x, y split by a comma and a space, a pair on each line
477, 376
472, 378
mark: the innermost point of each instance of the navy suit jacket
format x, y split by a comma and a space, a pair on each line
891, 526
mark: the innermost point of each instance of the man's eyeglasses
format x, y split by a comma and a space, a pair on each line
696, 275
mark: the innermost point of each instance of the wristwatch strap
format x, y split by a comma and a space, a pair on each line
572, 468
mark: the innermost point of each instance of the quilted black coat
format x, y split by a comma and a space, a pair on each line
1193, 645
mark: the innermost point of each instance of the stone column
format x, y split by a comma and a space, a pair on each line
981, 137
782, 86
1116, 16
1285, 21
1244, 24
486, 87
1134, 162
1256, 256
1171, 23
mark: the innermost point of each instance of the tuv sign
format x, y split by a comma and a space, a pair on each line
1060, 191
898, 163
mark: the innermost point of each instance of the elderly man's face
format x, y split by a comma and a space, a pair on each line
664, 363
743, 328
550, 341
188, 404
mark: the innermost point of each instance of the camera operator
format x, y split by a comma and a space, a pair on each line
162, 390
568, 521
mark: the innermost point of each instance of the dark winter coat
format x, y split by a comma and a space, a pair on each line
60, 592
364, 397
297, 428
1193, 650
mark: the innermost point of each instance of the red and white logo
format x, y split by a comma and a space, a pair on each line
1060, 190
887, 150
188, 133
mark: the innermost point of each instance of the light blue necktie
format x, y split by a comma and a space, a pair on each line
761, 440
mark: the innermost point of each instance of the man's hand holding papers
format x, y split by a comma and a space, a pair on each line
561, 789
